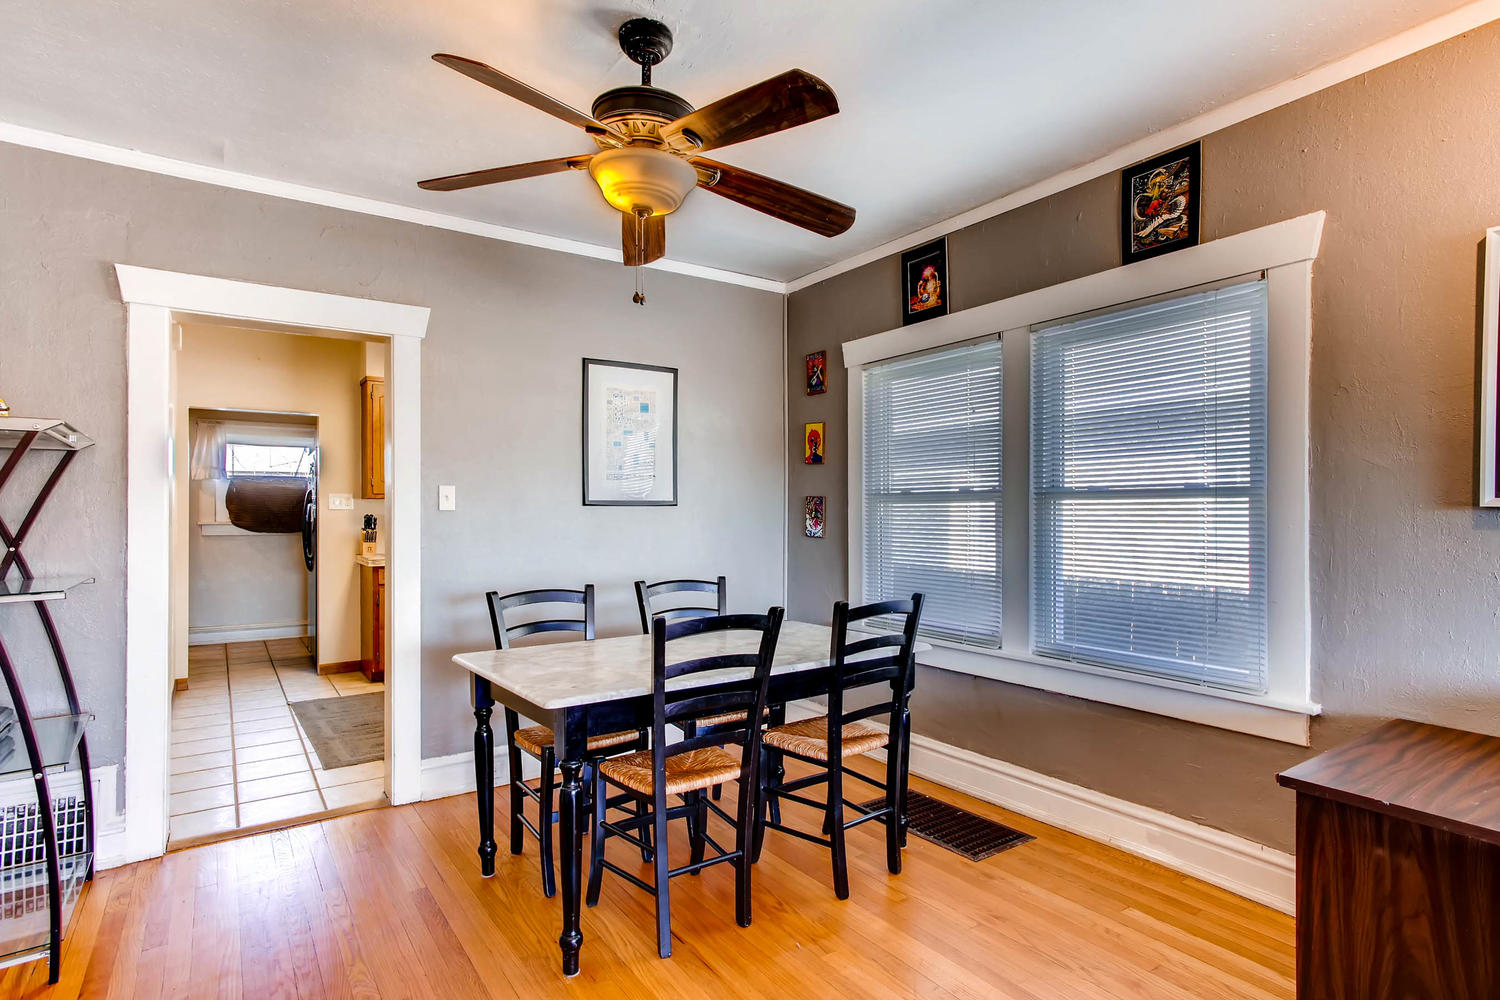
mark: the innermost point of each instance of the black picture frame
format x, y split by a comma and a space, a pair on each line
914, 263
597, 497
1134, 182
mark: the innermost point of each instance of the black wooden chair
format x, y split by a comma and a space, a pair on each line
537, 741
880, 659
690, 766
656, 599
653, 599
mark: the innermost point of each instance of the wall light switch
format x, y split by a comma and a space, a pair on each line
341, 501
447, 498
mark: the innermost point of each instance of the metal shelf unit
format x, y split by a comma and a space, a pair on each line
46, 854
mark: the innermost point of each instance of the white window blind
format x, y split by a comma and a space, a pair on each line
1149, 489
932, 488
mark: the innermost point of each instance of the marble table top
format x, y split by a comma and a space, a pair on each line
564, 674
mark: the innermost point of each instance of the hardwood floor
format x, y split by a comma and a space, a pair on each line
389, 903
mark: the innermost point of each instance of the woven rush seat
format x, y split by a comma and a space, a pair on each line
535, 739
685, 772
809, 738
724, 719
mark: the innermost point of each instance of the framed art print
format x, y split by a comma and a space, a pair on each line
1489, 375
812, 516
629, 434
924, 282
1159, 204
813, 443
817, 373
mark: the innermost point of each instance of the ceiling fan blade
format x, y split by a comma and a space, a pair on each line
777, 199
782, 102
644, 240
494, 175
511, 87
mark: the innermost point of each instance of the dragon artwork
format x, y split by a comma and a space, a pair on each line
1159, 208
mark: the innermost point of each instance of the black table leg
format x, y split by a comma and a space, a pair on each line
484, 774
570, 855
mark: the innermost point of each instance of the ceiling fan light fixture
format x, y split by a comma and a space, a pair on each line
637, 178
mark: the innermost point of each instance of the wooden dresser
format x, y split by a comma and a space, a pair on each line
372, 617
1398, 867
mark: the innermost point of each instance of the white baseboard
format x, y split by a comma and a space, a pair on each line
205, 635
454, 774
1241, 866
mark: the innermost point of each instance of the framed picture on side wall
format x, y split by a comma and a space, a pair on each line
924, 282
629, 434
1489, 375
817, 373
1159, 204
812, 511
813, 443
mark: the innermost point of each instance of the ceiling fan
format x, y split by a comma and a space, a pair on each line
649, 144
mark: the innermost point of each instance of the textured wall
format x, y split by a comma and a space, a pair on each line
500, 389
1404, 575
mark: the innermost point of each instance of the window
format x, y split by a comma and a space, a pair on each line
255, 459
1148, 524
1148, 489
932, 488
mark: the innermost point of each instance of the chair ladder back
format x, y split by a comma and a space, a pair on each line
505, 632
854, 667
671, 704
646, 595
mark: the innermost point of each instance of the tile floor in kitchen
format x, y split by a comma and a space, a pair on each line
239, 756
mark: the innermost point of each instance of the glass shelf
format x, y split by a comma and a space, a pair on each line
25, 928
52, 435
57, 738
43, 588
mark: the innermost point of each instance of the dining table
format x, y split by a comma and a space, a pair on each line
586, 688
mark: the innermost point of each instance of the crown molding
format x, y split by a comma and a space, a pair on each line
1392, 49
21, 135
1396, 47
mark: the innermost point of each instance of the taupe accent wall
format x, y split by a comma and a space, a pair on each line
501, 383
1406, 590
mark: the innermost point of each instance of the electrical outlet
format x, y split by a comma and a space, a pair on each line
341, 501
447, 498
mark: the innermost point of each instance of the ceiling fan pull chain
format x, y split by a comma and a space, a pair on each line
641, 215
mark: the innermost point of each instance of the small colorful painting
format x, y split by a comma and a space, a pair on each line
1159, 204
924, 279
813, 516
817, 373
813, 443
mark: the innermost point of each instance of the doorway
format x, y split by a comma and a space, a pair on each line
158, 302
278, 708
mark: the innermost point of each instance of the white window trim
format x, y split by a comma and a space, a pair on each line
1285, 251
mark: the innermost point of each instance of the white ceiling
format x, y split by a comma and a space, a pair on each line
946, 104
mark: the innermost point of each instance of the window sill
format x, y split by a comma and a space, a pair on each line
224, 528
1287, 721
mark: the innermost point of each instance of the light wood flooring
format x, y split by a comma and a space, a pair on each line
389, 903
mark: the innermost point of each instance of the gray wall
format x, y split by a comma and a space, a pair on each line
500, 389
1404, 160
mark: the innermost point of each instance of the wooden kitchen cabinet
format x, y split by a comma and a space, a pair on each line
372, 621
372, 436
